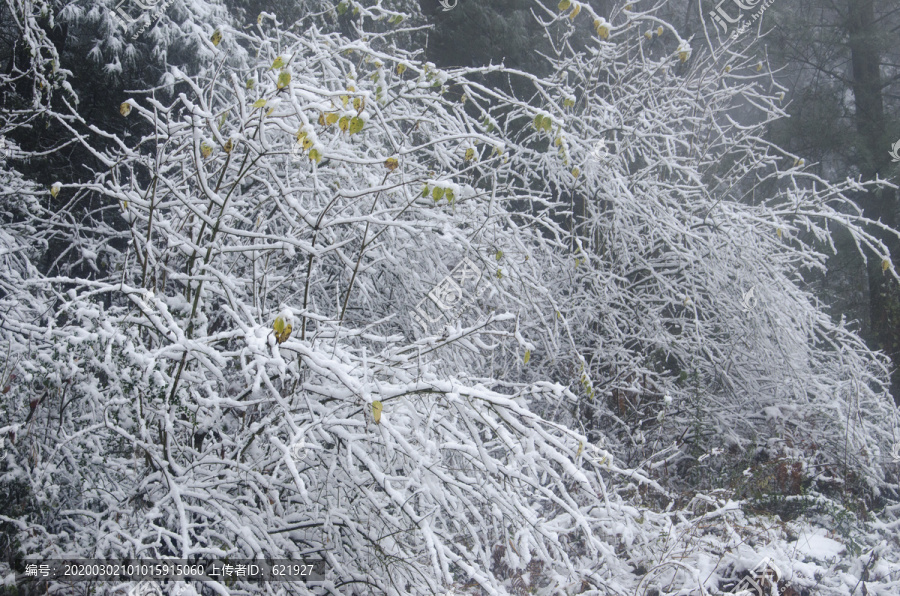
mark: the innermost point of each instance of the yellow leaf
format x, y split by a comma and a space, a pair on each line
728, 68
564, 4
527, 356
284, 79
759, 67
659, 31
885, 265
377, 407
307, 144
779, 233
448, 194
499, 255
649, 34
401, 68
470, 154
344, 123
499, 274
683, 55
301, 134
250, 83
278, 325
229, 146
437, 193
358, 104
331, 119
356, 125
558, 141
391, 163
281, 336
344, 100
269, 113
602, 28
576, 172
259, 103
216, 38
125, 108
315, 156
580, 448
54, 190
575, 12
279, 62
205, 149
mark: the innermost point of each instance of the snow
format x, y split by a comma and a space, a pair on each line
818, 546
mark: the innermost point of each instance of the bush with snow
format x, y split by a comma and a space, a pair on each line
241, 373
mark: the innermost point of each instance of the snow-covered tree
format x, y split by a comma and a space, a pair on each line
346, 306
693, 240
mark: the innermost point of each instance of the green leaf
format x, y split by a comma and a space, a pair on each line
547, 124
284, 79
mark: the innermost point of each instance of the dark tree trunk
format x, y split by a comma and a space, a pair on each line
884, 292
